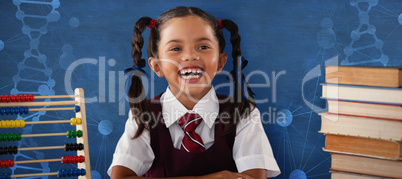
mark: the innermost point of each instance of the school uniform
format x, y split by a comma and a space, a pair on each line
157, 151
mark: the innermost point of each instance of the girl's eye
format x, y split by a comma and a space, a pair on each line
175, 49
203, 47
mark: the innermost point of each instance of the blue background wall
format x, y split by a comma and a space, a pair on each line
291, 39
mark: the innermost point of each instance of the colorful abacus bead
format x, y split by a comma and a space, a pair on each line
3, 163
69, 134
22, 123
17, 98
24, 110
64, 159
8, 150
73, 121
3, 98
82, 172
81, 159
7, 124
68, 147
71, 173
26, 97
12, 123
60, 174
77, 109
79, 133
10, 137
73, 134
79, 120
12, 98
73, 147
22, 98
72, 159
17, 123
14, 110
31, 97
6, 163
7, 111
5, 176
17, 110
14, 137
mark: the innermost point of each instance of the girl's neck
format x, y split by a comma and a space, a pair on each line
188, 101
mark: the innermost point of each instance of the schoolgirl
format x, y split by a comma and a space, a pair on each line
190, 131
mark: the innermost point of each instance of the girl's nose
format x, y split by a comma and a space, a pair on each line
190, 55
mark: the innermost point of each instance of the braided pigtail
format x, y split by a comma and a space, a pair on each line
243, 103
137, 97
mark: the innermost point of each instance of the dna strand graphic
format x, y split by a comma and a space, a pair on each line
364, 28
33, 70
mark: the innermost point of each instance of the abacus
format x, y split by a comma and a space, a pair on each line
25, 103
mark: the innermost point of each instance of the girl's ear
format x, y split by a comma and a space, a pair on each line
223, 57
155, 66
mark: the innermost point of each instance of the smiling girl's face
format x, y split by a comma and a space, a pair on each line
189, 56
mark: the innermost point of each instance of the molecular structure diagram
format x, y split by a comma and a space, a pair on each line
34, 61
364, 28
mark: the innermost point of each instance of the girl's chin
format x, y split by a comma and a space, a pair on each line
196, 92
194, 84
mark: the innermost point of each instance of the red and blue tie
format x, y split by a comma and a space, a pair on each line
192, 142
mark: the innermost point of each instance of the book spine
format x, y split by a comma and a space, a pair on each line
400, 78
391, 119
391, 96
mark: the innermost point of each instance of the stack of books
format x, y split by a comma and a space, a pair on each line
363, 125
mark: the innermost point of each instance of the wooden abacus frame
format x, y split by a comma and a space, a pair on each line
80, 102
81, 114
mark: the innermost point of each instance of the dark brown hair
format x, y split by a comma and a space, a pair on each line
139, 105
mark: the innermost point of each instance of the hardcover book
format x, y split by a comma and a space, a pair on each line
361, 127
362, 94
366, 165
365, 146
366, 76
371, 110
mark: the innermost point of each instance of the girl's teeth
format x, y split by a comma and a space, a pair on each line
191, 76
183, 72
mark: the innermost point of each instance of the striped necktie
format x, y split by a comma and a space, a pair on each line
192, 142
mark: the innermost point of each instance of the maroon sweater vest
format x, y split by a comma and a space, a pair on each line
172, 162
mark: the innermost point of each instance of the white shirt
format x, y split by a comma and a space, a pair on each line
251, 149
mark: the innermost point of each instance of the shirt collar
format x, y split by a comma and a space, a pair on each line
207, 108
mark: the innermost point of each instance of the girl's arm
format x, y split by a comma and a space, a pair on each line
120, 172
257, 173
